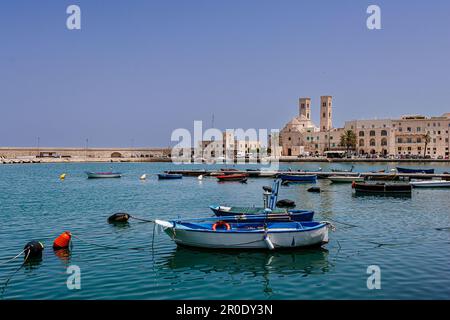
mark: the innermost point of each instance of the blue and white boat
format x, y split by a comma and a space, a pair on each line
248, 235
298, 178
163, 176
414, 170
259, 212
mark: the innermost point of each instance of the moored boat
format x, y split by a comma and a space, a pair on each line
168, 176
251, 235
386, 188
253, 212
298, 178
413, 170
431, 184
346, 179
232, 177
98, 175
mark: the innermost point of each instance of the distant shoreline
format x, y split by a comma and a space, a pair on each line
168, 160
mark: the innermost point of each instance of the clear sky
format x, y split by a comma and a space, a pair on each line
139, 69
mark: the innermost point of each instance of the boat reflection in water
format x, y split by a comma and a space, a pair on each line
300, 262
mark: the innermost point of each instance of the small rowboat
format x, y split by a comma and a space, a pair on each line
338, 179
246, 235
298, 178
343, 170
294, 215
431, 184
412, 170
97, 175
386, 188
232, 177
167, 176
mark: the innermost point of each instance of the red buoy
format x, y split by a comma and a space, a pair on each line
63, 241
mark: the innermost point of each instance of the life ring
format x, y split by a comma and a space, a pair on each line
221, 224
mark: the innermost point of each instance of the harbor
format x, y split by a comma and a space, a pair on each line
402, 234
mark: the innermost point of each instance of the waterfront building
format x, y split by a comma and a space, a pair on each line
402, 137
229, 146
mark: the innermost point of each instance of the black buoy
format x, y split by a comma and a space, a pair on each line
119, 217
285, 203
313, 189
33, 250
267, 188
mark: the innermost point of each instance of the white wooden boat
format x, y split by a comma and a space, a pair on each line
246, 235
349, 179
431, 184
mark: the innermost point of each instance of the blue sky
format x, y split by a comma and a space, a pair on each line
139, 69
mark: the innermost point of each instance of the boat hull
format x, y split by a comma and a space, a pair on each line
411, 170
338, 179
431, 184
101, 175
232, 177
257, 214
297, 178
166, 176
384, 188
279, 238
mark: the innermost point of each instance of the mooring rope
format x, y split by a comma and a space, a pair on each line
140, 219
17, 270
12, 259
104, 246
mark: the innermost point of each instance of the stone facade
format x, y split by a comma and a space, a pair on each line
90, 153
228, 147
400, 137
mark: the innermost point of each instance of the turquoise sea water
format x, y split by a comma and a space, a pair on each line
397, 234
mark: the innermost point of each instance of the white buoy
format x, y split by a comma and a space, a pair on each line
143, 177
200, 177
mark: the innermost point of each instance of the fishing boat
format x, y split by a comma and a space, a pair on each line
412, 170
247, 235
255, 212
167, 176
431, 184
382, 187
298, 178
98, 175
232, 177
384, 177
345, 179
268, 173
343, 170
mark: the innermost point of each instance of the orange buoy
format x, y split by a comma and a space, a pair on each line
63, 241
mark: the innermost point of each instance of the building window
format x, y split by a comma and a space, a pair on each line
384, 142
408, 129
361, 142
361, 133
418, 129
372, 133
400, 140
419, 140
383, 133
372, 142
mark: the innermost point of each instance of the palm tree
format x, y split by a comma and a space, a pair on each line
427, 140
348, 140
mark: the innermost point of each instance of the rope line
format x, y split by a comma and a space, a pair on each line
104, 246
140, 219
12, 259
17, 270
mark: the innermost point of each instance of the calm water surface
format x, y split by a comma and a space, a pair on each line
397, 234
